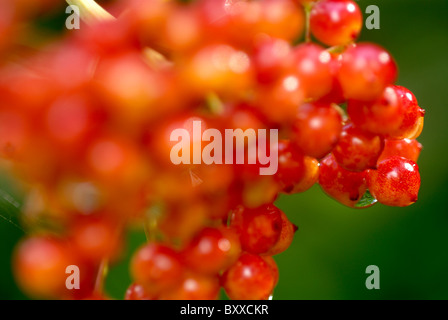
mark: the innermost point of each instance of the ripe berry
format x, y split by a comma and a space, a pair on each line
250, 278
156, 267
336, 22
291, 168
357, 150
286, 237
270, 59
259, 229
212, 250
310, 178
316, 129
39, 266
366, 70
412, 124
274, 268
396, 182
394, 115
406, 148
137, 292
194, 287
95, 239
312, 67
345, 186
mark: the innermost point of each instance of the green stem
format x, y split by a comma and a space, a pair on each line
308, 7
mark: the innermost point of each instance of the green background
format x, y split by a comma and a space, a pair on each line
335, 244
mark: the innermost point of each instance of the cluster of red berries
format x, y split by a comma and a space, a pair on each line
86, 125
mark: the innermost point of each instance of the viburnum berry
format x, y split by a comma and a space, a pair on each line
194, 287
296, 172
394, 115
345, 186
40, 264
396, 182
406, 148
250, 278
336, 22
311, 64
157, 268
95, 238
366, 70
274, 268
259, 228
137, 292
220, 247
357, 150
285, 238
316, 129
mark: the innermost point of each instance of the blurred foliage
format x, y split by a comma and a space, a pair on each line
335, 244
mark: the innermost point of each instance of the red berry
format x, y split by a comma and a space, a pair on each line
366, 70
195, 287
316, 129
357, 150
286, 237
39, 266
395, 114
291, 168
259, 229
250, 278
212, 250
406, 148
336, 22
137, 292
270, 59
271, 262
95, 239
345, 186
312, 67
156, 267
396, 182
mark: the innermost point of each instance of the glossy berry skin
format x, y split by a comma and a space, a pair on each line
137, 292
310, 177
366, 70
406, 148
291, 168
259, 228
250, 278
396, 182
336, 22
39, 266
357, 150
412, 124
345, 186
194, 287
270, 59
212, 250
316, 129
311, 64
156, 267
395, 114
95, 239
286, 237
274, 268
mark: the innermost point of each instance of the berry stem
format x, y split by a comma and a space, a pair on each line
307, 7
90, 11
214, 103
101, 276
